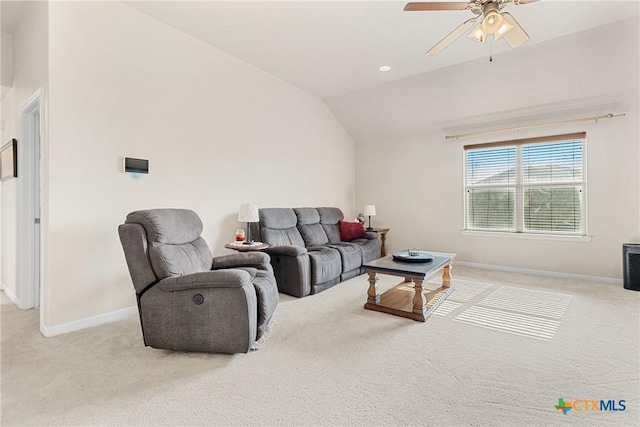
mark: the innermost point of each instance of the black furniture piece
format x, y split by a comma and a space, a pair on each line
631, 266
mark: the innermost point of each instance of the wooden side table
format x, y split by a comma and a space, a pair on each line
383, 236
241, 247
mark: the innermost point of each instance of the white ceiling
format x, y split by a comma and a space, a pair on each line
335, 47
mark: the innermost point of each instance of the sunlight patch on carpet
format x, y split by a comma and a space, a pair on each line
446, 307
539, 303
526, 312
514, 323
465, 289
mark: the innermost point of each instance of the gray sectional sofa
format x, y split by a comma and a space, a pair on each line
307, 254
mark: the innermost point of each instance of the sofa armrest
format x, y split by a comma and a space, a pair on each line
245, 259
286, 250
371, 235
229, 278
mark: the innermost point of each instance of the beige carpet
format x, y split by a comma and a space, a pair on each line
500, 351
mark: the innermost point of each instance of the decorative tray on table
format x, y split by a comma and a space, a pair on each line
244, 245
413, 255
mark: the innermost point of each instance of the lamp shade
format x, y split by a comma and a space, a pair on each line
248, 213
369, 210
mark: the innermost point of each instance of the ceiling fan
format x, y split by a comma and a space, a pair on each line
492, 21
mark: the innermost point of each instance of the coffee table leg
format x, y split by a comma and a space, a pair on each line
372, 293
446, 276
418, 300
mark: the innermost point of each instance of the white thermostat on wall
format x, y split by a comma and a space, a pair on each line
133, 165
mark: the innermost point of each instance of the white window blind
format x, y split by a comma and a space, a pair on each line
533, 185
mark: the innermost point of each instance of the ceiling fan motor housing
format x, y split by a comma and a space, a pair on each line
481, 7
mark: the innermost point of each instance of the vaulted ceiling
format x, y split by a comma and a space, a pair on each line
334, 48
331, 48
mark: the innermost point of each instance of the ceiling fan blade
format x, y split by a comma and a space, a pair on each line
436, 5
452, 36
517, 35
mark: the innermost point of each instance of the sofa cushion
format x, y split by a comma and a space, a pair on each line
329, 218
350, 255
173, 226
309, 226
326, 264
289, 237
370, 248
178, 260
278, 227
313, 235
175, 245
351, 230
307, 215
277, 218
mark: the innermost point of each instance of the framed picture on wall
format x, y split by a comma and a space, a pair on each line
9, 160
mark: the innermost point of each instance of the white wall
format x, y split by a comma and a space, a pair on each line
30, 72
217, 131
7, 63
414, 177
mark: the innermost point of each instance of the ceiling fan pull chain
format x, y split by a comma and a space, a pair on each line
490, 50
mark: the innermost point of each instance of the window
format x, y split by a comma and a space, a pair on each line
534, 185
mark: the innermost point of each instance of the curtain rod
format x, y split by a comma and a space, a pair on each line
518, 128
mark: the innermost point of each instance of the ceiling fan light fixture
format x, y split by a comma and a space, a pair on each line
492, 21
503, 29
478, 34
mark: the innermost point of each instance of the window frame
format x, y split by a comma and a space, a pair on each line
520, 187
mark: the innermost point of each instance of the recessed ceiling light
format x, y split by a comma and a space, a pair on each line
384, 68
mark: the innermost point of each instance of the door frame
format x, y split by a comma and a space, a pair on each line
29, 275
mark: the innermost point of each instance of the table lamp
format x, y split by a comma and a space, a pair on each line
248, 213
369, 210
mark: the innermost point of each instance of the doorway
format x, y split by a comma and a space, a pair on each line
29, 254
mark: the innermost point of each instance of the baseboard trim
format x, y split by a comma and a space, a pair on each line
101, 319
14, 299
560, 275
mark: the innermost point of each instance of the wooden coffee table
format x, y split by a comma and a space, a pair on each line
413, 298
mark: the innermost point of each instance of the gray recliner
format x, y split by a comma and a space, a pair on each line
188, 300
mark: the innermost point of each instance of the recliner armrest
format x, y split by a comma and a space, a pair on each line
245, 259
229, 278
286, 250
